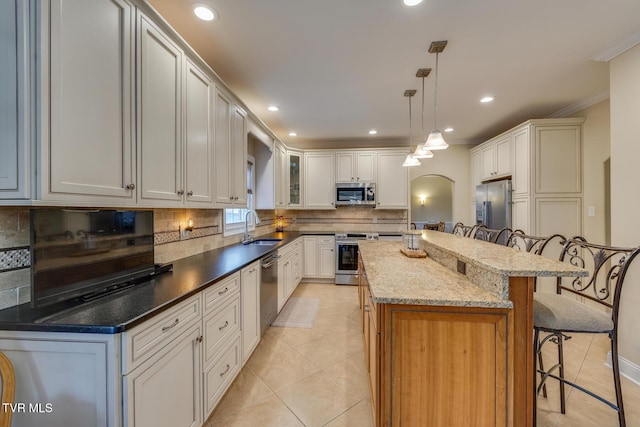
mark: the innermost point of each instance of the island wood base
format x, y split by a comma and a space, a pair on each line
435, 365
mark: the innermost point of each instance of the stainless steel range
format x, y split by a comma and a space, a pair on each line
347, 256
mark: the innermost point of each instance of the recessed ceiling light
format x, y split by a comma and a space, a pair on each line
412, 2
486, 99
204, 12
448, 129
293, 134
273, 108
373, 132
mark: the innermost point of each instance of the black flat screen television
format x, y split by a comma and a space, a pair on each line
79, 252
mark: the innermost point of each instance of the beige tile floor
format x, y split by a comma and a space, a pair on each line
317, 376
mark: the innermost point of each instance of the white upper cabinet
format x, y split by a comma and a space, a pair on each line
239, 157
319, 184
281, 168
14, 147
87, 81
496, 158
294, 187
521, 162
160, 66
392, 186
230, 152
356, 166
198, 136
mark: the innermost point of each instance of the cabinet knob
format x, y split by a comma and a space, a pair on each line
331, 203
131, 186
180, 192
190, 193
378, 203
358, 178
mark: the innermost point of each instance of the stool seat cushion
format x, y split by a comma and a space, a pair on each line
553, 312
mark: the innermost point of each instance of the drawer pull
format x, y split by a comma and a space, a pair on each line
166, 328
225, 371
366, 308
224, 326
223, 292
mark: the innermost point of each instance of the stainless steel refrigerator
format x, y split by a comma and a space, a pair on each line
493, 204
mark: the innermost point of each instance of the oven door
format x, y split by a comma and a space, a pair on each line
347, 263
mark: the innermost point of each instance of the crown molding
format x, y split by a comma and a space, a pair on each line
579, 106
621, 46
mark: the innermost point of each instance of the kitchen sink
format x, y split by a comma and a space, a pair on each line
266, 242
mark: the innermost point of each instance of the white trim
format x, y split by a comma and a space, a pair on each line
579, 106
628, 369
617, 48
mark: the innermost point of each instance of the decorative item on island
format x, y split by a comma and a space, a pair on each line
411, 245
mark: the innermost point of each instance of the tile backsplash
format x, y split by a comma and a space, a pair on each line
171, 243
347, 219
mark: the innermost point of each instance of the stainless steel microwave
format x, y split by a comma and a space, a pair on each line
356, 194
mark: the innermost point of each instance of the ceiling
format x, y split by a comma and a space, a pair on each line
338, 68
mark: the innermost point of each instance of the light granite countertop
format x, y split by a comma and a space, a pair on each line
498, 258
397, 279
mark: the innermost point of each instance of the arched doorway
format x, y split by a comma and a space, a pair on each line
431, 200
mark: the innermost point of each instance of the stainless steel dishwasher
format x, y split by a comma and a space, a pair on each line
268, 291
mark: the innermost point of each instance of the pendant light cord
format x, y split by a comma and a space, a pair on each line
410, 130
435, 98
422, 121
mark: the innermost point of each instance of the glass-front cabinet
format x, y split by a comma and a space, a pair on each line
295, 179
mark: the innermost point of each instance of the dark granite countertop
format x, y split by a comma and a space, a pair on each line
121, 311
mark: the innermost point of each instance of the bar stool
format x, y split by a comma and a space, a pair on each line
492, 235
8, 388
464, 230
558, 314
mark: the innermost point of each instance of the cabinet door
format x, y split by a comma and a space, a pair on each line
392, 187
222, 144
239, 158
281, 174
319, 182
310, 255
553, 146
282, 291
327, 264
295, 179
365, 163
520, 214
166, 390
503, 156
250, 309
159, 116
288, 277
476, 160
487, 164
198, 136
14, 147
345, 167
521, 162
88, 125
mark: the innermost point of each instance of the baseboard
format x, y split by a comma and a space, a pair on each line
628, 369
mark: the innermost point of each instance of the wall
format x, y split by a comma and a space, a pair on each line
596, 152
437, 192
346, 219
625, 200
171, 243
454, 164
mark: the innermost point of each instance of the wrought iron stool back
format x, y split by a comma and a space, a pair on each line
492, 235
464, 230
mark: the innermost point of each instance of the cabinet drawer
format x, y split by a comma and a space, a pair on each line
326, 240
219, 326
220, 292
146, 339
221, 374
373, 310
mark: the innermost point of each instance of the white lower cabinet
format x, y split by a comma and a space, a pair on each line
166, 390
319, 257
250, 294
74, 379
220, 375
289, 275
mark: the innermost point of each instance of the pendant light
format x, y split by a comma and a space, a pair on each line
435, 141
421, 152
410, 160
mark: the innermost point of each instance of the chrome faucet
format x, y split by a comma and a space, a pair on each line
248, 238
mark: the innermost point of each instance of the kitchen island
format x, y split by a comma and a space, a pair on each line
448, 338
